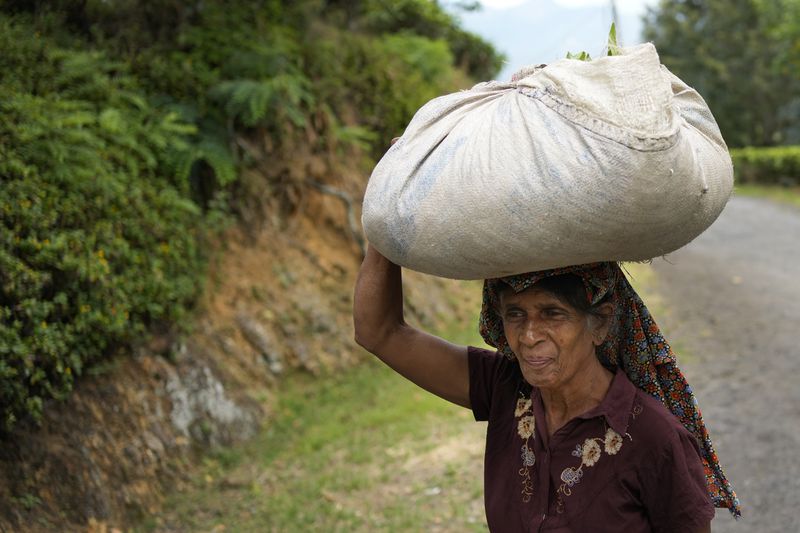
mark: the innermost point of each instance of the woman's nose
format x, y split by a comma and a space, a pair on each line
531, 333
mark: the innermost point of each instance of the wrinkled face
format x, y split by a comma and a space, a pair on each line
552, 341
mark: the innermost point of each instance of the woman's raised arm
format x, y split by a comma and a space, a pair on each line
432, 363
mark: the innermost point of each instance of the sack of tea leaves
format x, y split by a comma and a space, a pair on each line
571, 163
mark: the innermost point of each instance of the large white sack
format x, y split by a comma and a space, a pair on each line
612, 159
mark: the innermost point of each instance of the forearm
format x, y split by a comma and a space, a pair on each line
378, 301
432, 363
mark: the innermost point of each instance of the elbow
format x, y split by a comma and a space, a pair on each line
364, 342
367, 339
362, 335
373, 339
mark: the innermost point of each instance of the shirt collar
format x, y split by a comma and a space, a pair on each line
617, 405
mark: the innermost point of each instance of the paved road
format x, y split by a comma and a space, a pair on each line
734, 295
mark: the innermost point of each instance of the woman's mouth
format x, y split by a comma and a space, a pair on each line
537, 362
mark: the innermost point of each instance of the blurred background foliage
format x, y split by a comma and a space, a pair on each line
128, 125
743, 56
772, 165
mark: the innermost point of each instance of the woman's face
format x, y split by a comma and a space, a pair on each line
551, 340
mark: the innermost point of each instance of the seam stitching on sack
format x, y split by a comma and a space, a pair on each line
605, 129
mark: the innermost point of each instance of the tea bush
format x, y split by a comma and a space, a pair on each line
778, 165
97, 238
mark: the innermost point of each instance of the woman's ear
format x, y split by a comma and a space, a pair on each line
602, 324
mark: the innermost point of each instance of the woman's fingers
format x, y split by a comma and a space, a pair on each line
394, 140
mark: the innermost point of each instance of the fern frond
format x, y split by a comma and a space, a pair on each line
214, 151
265, 102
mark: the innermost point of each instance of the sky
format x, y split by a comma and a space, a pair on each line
540, 31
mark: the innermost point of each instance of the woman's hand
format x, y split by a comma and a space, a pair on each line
430, 362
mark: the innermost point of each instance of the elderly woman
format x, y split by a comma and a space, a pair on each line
591, 426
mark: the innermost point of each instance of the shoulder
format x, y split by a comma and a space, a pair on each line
653, 423
662, 443
492, 377
491, 359
492, 366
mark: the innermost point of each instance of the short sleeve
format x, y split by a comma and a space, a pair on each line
674, 489
484, 367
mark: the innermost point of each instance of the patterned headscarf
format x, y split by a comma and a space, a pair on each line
636, 345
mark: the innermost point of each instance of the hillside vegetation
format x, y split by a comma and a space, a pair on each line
134, 131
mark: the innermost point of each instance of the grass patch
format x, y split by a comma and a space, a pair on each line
362, 450
784, 195
343, 453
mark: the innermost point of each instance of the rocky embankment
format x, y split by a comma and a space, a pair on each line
276, 303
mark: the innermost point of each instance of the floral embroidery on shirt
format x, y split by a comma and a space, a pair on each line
637, 410
526, 428
589, 453
612, 442
523, 406
528, 457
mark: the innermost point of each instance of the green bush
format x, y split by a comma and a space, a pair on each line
427, 19
98, 240
779, 165
384, 79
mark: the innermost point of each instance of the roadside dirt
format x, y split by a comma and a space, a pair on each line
734, 301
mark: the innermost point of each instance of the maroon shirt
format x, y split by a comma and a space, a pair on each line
627, 465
